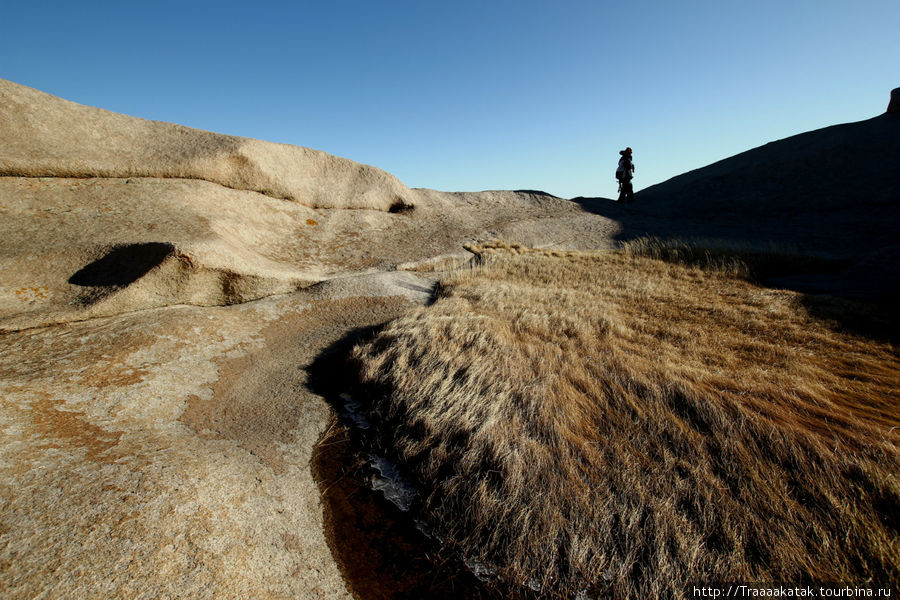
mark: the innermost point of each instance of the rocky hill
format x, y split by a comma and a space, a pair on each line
105, 213
163, 293
835, 190
842, 167
166, 292
45, 136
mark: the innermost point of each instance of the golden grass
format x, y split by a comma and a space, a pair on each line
620, 425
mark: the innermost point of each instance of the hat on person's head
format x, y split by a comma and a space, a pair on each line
628, 150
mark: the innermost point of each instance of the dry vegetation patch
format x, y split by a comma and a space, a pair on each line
616, 424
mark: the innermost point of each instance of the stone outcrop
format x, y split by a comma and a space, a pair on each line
45, 136
894, 105
163, 295
200, 218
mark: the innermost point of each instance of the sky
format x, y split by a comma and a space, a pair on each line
473, 95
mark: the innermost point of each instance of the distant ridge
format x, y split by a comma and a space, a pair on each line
838, 167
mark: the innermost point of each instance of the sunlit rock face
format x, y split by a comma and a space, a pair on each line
164, 292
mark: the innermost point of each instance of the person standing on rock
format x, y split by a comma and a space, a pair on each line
625, 173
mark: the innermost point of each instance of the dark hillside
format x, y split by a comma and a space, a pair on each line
832, 192
852, 166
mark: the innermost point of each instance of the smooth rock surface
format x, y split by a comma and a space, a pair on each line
47, 136
163, 293
165, 453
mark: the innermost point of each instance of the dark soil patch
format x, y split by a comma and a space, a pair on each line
380, 551
381, 554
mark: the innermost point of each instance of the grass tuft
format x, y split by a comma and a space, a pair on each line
617, 424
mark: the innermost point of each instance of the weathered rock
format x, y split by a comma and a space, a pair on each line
165, 453
45, 136
223, 246
161, 301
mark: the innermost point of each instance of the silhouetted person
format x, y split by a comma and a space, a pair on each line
625, 173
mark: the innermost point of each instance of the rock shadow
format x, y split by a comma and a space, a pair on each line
123, 265
120, 267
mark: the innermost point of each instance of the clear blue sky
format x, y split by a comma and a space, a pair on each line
472, 95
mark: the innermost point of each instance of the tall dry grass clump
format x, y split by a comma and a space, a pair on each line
616, 425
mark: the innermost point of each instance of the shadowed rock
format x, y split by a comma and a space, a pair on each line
894, 105
839, 167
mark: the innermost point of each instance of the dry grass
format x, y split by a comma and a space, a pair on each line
622, 425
